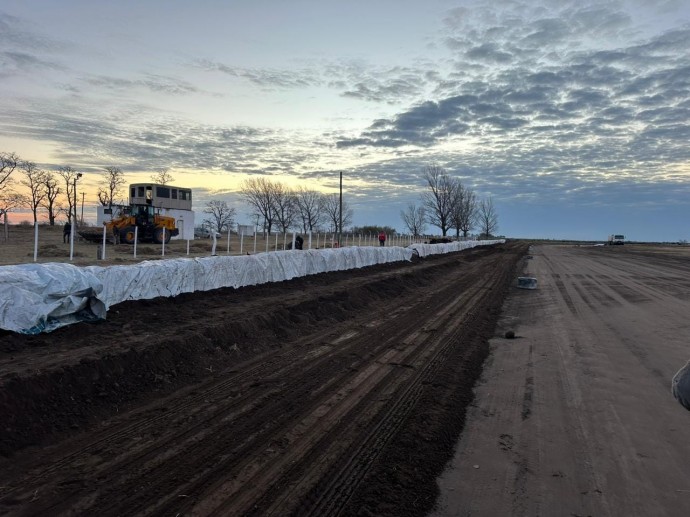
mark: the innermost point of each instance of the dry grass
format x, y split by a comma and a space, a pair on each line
19, 248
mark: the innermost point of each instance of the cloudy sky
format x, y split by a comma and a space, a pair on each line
573, 116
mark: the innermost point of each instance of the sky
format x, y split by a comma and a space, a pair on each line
573, 117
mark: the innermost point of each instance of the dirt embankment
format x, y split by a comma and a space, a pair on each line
337, 393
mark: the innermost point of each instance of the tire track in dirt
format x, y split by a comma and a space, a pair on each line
341, 483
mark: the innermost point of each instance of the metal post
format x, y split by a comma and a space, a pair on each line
340, 227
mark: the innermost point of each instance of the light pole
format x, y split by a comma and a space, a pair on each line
340, 224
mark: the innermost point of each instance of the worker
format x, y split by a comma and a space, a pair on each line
680, 386
382, 238
66, 232
141, 217
299, 242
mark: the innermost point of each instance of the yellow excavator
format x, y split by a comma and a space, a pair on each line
151, 227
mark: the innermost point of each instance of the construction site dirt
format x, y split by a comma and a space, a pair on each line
334, 394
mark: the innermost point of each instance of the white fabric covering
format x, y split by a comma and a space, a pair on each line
42, 297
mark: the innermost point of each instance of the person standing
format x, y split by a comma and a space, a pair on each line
66, 231
382, 238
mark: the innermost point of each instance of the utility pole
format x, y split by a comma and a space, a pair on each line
82, 206
74, 222
340, 225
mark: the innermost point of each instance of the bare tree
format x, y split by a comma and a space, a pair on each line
331, 210
464, 213
113, 182
309, 207
284, 206
439, 200
222, 216
258, 193
162, 177
8, 162
487, 217
9, 200
52, 191
414, 218
34, 180
68, 174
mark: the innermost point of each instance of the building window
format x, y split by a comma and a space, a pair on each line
163, 192
174, 193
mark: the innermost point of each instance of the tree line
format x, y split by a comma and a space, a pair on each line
448, 204
23, 184
275, 206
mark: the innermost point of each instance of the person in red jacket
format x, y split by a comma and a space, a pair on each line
382, 238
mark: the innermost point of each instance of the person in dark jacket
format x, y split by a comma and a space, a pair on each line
66, 231
299, 242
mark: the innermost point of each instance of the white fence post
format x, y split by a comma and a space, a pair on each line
104, 239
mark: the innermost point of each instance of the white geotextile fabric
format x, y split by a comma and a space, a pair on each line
152, 279
42, 297
424, 250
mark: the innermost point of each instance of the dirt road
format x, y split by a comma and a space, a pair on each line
575, 417
334, 394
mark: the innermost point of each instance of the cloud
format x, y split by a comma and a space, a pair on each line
25, 51
153, 83
541, 81
13, 62
264, 77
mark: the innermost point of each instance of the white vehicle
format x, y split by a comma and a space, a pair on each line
616, 239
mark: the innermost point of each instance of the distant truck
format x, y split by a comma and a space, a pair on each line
616, 239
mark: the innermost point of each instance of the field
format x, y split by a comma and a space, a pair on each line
347, 394
19, 247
